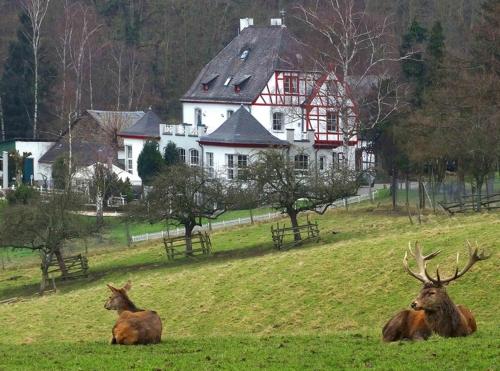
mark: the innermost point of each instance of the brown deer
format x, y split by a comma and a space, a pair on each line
433, 310
134, 325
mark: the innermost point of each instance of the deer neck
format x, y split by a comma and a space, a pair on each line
128, 306
445, 320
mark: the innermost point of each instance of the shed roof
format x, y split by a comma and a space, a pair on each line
270, 48
242, 129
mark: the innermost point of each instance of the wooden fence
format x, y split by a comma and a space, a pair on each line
200, 244
285, 237
470, 202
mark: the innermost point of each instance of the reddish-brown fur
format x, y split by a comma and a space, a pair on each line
134, 325
433, 311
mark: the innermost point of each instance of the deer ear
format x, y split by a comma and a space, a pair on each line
127, 286
111, 287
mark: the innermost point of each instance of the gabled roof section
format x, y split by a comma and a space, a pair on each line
123, 119
242, 129
270, 48
148, 126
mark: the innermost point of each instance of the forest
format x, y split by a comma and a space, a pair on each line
131, 55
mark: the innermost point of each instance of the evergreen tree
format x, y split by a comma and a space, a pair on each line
149, 162
17, 84
171, 155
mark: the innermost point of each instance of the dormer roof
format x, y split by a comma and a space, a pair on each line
242, 129
265, 50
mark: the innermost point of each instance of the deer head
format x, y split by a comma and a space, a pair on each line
433, 294
119, 300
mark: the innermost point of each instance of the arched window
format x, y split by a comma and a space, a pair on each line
198, 117
278, 121
194, 157
331, 122
182, 155
301, 163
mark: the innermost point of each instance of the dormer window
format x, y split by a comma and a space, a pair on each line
244, 54
208, 82
238, 84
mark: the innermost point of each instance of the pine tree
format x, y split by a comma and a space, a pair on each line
17, 84
171, 155
149, 162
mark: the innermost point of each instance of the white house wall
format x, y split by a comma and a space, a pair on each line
37, 149
213, 114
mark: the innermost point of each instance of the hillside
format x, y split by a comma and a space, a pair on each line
319, 306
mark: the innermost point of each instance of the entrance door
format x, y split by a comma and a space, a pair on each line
27, 170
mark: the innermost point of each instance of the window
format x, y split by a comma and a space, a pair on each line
228, 80
182, 155
301, 163
194, 157
322, 163
278, 121
244, 54
210, 164
236, 165
129, 164
337, 158
290, 84
331, 122
198, 117
229, 113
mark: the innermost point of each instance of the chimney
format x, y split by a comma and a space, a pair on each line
245, 22
276, 22
290, 135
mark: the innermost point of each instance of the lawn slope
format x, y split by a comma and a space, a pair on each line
319, 306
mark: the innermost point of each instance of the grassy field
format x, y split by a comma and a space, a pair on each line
320, 306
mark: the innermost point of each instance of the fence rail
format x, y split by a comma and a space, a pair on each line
240, 221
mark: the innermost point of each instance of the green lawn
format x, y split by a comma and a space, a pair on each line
321, 306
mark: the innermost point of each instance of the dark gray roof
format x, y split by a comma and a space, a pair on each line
271, 48
125, 119
148, 126
242, 128
84, 153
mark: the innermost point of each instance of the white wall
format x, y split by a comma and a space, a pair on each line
213, 114
137, 146
37, 149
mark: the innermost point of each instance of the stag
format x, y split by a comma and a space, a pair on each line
433, 310
134, 325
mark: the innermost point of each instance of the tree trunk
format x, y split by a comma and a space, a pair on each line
60, 262
35, 113
295, 224
188, 227
2, 122
99, 203
251, 216
394, 188
407, 191
479, 183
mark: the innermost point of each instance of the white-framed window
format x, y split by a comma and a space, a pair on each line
210, 164
182, 155
331, 122
290, 84
194, 157
129, 163
229, 113
322, 162
198, 117
338, 157
301, 163
236, 165
278, 121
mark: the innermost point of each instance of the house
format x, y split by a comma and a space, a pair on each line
256, 92
93, 138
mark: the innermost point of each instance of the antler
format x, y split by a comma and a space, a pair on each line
421, 263
474, 257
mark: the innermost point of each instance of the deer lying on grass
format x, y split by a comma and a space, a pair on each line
134, 326
433, 310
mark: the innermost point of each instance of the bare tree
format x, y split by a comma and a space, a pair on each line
2, 122
36, 11
79, 44
361, 51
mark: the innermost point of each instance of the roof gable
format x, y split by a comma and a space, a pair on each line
148, 126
